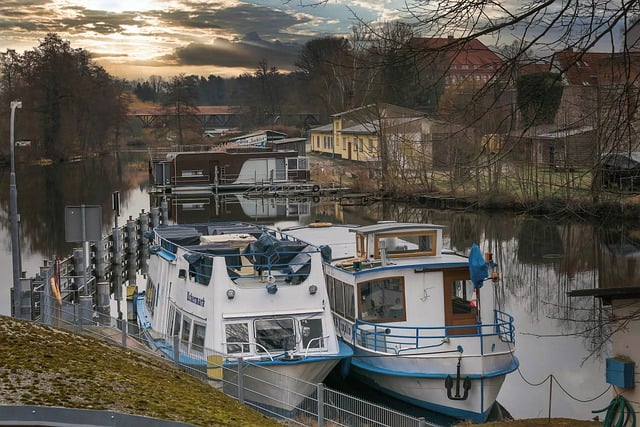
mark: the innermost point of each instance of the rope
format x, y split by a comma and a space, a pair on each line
619, 411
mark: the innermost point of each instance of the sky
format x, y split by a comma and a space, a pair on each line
138, 38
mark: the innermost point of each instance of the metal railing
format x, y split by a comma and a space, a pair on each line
393, 339
283, 397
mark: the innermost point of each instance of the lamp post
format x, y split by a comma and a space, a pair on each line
13, 202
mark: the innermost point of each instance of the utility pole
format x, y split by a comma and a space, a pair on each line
15, 227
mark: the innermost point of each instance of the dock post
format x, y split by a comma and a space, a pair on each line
80, 279
164, 208
101, 265
132, 251
116, 263
86, 310
103, 305
144, 243
155, 217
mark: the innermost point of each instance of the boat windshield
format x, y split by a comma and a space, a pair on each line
275, 334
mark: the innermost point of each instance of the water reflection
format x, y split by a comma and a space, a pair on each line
539, 261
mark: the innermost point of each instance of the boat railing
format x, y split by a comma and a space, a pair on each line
320, 341
388, 338
504, 326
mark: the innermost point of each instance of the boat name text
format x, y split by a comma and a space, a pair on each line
194, 299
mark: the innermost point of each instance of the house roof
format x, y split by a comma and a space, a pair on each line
596, 68
323, 128
564, 133
459, 52
374, 111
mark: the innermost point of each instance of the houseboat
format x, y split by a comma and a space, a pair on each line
424, 322
207, 170
242, 294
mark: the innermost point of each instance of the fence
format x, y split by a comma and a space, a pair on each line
282, 397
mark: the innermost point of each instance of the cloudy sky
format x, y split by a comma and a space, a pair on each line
139, 38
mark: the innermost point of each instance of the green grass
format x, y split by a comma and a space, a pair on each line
52, 367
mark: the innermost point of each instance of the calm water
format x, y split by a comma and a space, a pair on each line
539, 262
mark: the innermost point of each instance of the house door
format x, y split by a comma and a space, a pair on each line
460, 302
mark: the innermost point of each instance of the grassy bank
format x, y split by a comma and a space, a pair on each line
51, 367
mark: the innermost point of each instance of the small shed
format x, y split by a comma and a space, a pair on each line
621, 170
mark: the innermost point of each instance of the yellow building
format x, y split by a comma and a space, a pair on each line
363, 133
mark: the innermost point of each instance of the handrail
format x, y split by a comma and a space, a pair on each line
306, 350
385, 337
225, 343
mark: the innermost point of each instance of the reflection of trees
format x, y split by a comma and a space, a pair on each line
44, 192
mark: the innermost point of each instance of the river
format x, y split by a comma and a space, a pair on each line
561, 341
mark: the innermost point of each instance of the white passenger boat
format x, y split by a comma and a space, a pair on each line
235, 290
424, 322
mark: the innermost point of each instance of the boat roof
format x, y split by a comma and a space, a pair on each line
395, 226
340, 239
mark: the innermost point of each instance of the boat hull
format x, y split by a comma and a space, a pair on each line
431, 393
281, 386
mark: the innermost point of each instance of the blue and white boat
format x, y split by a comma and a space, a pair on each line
424, 322
234, 290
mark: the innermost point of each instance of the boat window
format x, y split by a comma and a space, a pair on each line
312, 333
382, 300
186, 329
237, 333
172, 315
150, 293
464, 297
330, 291
406, 244
197, 337
338, 307
360, 249
349, 303
200, 269
176, 324
275, 334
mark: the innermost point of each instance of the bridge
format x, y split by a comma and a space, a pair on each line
210, 116
216, 116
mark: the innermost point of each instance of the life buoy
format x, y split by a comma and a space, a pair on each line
316, 199
320, 224
55, 290
315, 188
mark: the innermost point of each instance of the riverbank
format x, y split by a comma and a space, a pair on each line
577, 204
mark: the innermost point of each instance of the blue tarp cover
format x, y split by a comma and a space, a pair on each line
477, 266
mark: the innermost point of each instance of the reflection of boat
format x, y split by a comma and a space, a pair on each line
227, 169
187, 209
420, 330
243, 291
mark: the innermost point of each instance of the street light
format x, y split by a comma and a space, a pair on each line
13, 206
